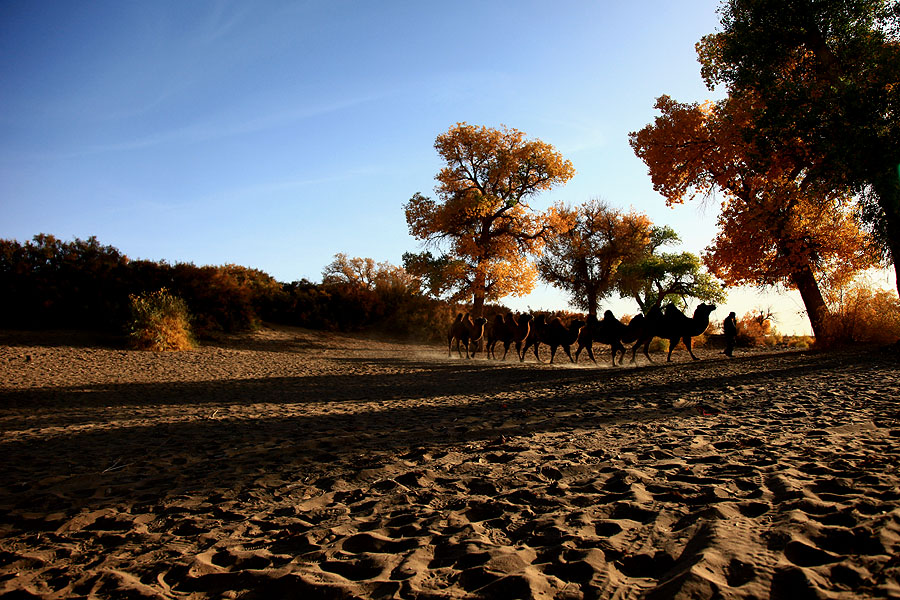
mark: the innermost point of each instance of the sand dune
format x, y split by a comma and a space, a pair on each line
293, 464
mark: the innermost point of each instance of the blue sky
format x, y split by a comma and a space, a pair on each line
277, 134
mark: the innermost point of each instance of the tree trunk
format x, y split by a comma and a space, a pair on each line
887, 187
478, 292
815, 305
592, 303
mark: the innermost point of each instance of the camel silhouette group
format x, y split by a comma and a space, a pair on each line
529, 332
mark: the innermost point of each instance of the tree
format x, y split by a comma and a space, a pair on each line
584, 258
828, 73
482, 220
368, 274
653, 278
779, 223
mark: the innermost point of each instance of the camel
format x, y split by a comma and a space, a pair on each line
520, 330
533, 339
508, 331
644, 328
466, 331
677, 326
555, 334
609, 331
673, 325
497, 331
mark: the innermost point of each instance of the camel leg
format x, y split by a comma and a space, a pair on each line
568, 351
688, 342
672, 344
505, 350
536, 355
552, 353
524, 351
645, 343
590, 352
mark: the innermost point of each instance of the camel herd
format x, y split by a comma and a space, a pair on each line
529, 332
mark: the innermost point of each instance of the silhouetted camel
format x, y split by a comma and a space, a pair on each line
465, 331
674, 326
609, 331
507, 331
533, 339
497, 331
644, 329
557, 335
520, 330
677, 326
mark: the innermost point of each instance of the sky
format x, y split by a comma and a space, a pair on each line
275, 135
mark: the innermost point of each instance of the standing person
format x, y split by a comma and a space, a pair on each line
730, 329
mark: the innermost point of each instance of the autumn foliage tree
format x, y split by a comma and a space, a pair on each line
369, 274
826, 72
481, 221
583, 259
779, 224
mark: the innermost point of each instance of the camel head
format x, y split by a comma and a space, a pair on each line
704, 310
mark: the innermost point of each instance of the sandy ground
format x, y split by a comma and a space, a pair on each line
294, 464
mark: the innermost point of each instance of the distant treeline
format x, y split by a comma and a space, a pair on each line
49, 283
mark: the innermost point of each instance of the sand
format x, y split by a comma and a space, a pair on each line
295, 464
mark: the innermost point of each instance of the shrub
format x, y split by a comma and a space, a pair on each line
160, 322
799, 342
756, 330
862, 313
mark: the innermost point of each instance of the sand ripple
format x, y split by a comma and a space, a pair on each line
294, 464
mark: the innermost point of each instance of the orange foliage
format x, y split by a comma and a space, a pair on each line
775, 220
483, 213
584, 258
756, 329
861, 313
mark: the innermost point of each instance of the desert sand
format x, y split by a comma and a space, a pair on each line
296, 464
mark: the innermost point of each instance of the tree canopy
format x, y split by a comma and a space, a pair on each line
655, 277
584, 258
481, 221
826, 72
779, 222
